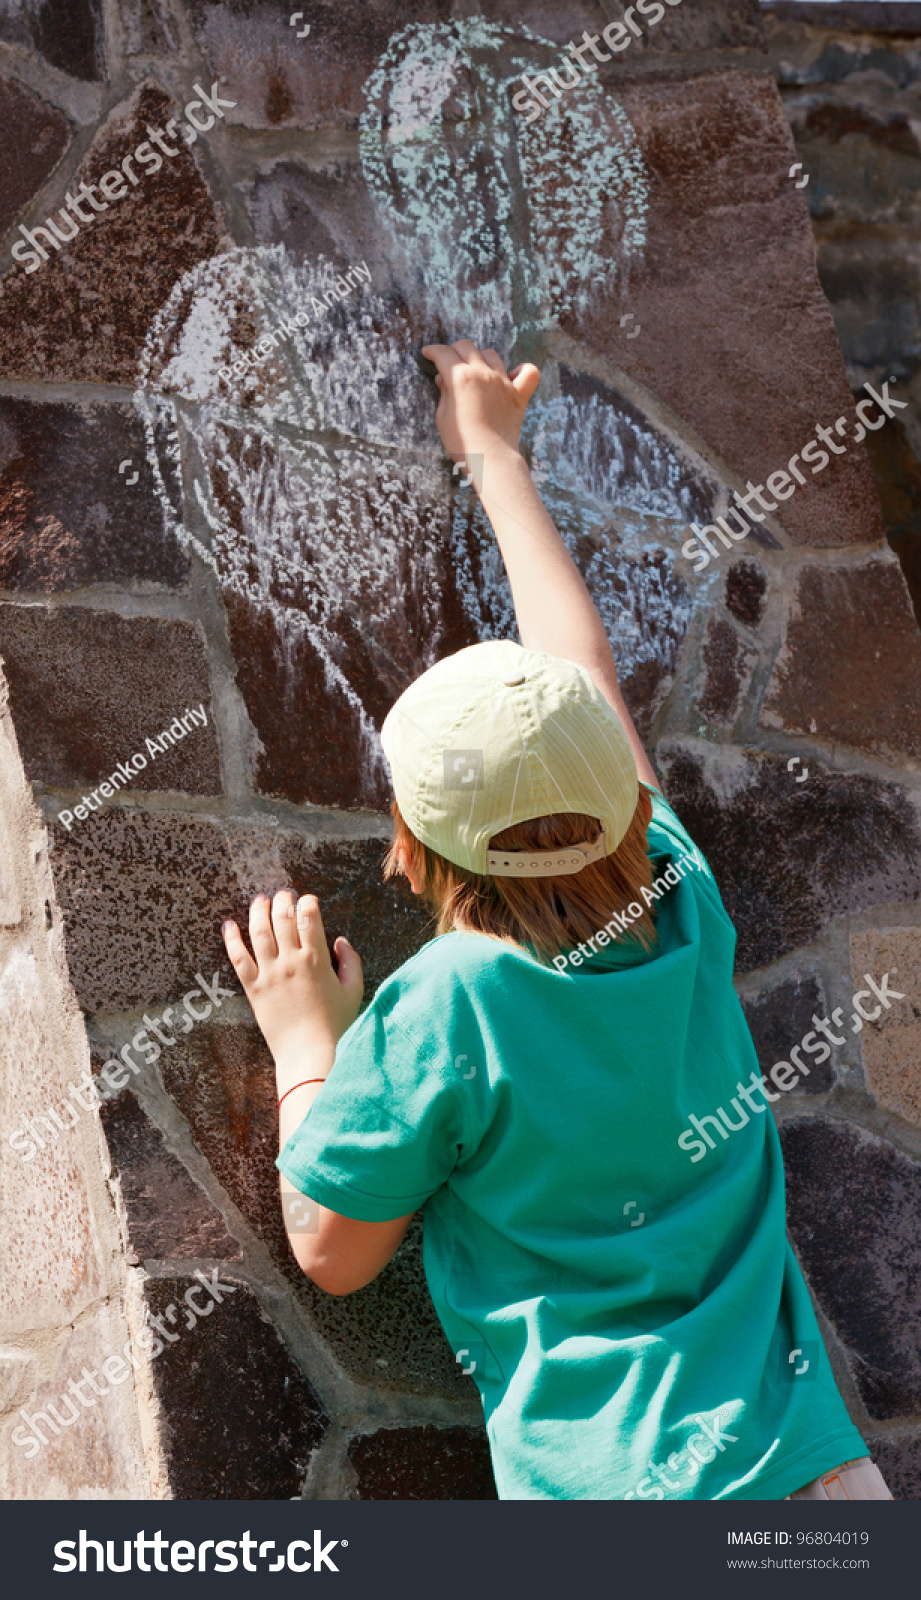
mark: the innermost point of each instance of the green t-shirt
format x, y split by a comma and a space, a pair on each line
635, 1320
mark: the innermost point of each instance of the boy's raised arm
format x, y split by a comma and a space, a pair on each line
479, 418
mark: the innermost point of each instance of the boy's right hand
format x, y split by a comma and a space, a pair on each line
481, 404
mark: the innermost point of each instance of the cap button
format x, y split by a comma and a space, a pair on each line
513, 679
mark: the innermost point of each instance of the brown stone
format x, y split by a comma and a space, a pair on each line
851, 662
68, 33
325, 211
166, 1212
787, 856
779, 1018
728, 665
68, 516
386, 1334
143, 896
746, 592
423, 1464
104, 685
892, 1044
238, 1419
280, 80
717, 150
37, 136
84, 314
852, 1211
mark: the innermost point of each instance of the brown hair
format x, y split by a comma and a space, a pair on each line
548, 914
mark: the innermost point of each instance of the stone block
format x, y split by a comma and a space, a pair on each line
315, 82
852, 1210
91, 1451
788, 857
68, 33
17, 1377
88, 689
150, 29
49, 1248
716, 152
719, 25
779, 1018
326, 209
846, 16
143, 896
10, 902
386, 1334
166, 1213
892, 1044
863, 162
238, 1419
84, 314
899, 1460
727, 670
422, 1464
68, 516
746, 592
851, 661
37, 136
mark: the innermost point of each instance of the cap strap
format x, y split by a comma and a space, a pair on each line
545, 863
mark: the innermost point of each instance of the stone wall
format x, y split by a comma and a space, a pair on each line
280, 542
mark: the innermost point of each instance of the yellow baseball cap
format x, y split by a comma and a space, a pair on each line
496, 735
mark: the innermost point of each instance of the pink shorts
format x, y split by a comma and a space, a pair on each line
855, 1480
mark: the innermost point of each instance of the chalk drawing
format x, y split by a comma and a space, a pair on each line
315, 487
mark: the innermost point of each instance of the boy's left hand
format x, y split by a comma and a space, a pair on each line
300, 1002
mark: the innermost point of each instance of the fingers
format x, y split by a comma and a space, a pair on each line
260, 929
284, 922
240, 959
310, 927
525, 380
494, 360
443, 356
350, 973
468, 351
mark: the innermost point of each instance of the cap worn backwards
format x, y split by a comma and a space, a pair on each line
497, 735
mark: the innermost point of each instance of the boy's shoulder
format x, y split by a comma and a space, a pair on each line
435, 988
452, 959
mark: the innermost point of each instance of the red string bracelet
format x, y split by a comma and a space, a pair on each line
300, 1086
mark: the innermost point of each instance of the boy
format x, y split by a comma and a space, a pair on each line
636, 1322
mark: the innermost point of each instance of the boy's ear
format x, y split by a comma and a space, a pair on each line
406, 867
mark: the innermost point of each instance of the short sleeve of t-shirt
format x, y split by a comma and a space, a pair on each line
665, 822
387, 1127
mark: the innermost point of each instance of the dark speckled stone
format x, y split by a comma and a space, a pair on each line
852, 1207
423, 1464
789, 856
238, 1419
